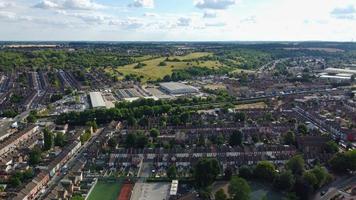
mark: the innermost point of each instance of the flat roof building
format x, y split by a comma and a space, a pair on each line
339, 71
177, 88
97, 100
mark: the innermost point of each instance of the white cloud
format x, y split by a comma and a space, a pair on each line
150, 15
82, 5
46, 4
210, 14
6, 4
69, 5
348, 12
142, 4
7, 15
217, 24
214, 4
13, 17
184, 21
92, 18
250, 19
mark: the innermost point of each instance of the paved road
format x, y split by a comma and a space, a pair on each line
70, 163
334, 187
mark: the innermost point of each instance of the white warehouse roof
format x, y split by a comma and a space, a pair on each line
178, 88
97, 100
339, 70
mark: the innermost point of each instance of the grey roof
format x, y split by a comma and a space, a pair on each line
96, 99
174, 86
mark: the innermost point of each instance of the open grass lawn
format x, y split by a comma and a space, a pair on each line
191, 56
258, 105
152, 70
237, 71
106, 190
218, 86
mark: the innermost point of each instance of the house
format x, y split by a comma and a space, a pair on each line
312, 143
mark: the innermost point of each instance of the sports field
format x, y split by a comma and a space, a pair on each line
106, 190
125, 193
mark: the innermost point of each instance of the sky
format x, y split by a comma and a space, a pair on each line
178, 20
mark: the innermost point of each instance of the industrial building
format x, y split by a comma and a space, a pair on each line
97, 100
332, 70
175, 88
336, 74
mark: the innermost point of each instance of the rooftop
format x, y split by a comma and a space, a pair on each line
97, 99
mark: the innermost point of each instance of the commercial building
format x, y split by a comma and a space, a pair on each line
337, 74
332, 70
176, 88
97, 100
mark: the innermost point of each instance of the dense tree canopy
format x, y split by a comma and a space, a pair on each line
206, 171
239, 189
265, 170
296, 164
344, 162
48, 139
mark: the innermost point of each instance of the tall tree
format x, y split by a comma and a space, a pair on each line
48, 139
60, 140
172, 172
112, 143
265, 170
331, 147
35, 156
154, 133
289, 138
321, 175
310, 179
302, 129
296, 164
206, 171
130, 140
220, 195
236, 138
284, 180
239, 189
245, 172
92, 124
141, 140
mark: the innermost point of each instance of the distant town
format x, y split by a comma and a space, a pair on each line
177, 120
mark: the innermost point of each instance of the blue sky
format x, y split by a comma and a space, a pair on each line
178, 20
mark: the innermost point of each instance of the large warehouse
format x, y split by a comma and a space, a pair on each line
176, 88
339, 71
97, 100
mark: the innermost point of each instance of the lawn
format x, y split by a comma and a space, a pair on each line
191, 56
152, 70
238, 71
106, 190
218, 86
258, 105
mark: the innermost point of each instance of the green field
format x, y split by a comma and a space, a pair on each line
152, 70
106, 190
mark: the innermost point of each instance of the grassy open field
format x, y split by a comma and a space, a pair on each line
218, 86
237, 71
258, 105
152, 70
106, 190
